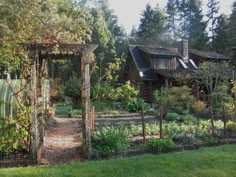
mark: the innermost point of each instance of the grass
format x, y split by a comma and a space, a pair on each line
207, 162
61, 109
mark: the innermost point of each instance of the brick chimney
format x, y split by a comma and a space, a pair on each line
184, 50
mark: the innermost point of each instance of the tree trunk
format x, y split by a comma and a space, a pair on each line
211, 115
160, 120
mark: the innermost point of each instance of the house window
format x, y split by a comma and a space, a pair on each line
162, 63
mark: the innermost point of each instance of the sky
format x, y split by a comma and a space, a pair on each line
128, 11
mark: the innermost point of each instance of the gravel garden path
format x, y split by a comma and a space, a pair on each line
61, 141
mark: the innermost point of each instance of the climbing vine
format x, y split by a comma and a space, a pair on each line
15, 131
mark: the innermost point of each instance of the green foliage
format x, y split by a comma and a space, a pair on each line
212, 75
185, 139
232, 33
180, 118
172, 117
172, 15
220, 41
231, 126
103, 105
198, 106
136, 105
188, 119
110, 140
125, 93
14, 132
136, 130
73, 89
181, 98
151, 25
193, 26
178, 98
101, 91
61, 109
76, 113
159, 145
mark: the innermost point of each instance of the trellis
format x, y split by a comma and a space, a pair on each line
39, 53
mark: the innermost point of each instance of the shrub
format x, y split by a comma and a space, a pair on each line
136, 105
109, 140
231, 126
159, 145
187, 119
76, 113
184, 139
172, 117
101, 91
73, 89
198, 106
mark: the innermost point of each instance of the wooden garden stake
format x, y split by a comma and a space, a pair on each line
224, 118
143, 126
92, 121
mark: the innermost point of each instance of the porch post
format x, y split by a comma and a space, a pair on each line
85, 103
167, 82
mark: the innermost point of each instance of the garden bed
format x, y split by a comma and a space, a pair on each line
138, 148
18, 158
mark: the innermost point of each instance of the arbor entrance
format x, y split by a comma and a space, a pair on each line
39, 54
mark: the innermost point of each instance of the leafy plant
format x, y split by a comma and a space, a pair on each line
198, 106
73, 89
184, 139
187, 119
172, 117
159, 145
15, 132
231, 126
110, 140
136, 105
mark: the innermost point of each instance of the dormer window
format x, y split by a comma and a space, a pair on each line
162, 63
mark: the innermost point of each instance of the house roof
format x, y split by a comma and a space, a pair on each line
208, 54
160, 51
171, 74
146, 73
141, 64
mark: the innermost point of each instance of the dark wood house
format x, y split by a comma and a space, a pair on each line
150, 68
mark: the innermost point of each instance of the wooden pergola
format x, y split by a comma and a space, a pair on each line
39, 53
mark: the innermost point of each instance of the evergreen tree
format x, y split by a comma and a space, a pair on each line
193, 26
220, 40
213, 8
113, 42
232, 33
172, 18
151, 28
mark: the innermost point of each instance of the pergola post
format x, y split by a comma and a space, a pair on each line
85, 103
33, 99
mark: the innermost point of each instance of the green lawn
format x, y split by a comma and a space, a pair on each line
207, 162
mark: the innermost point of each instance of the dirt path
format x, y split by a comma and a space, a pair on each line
61, 141
63, 137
